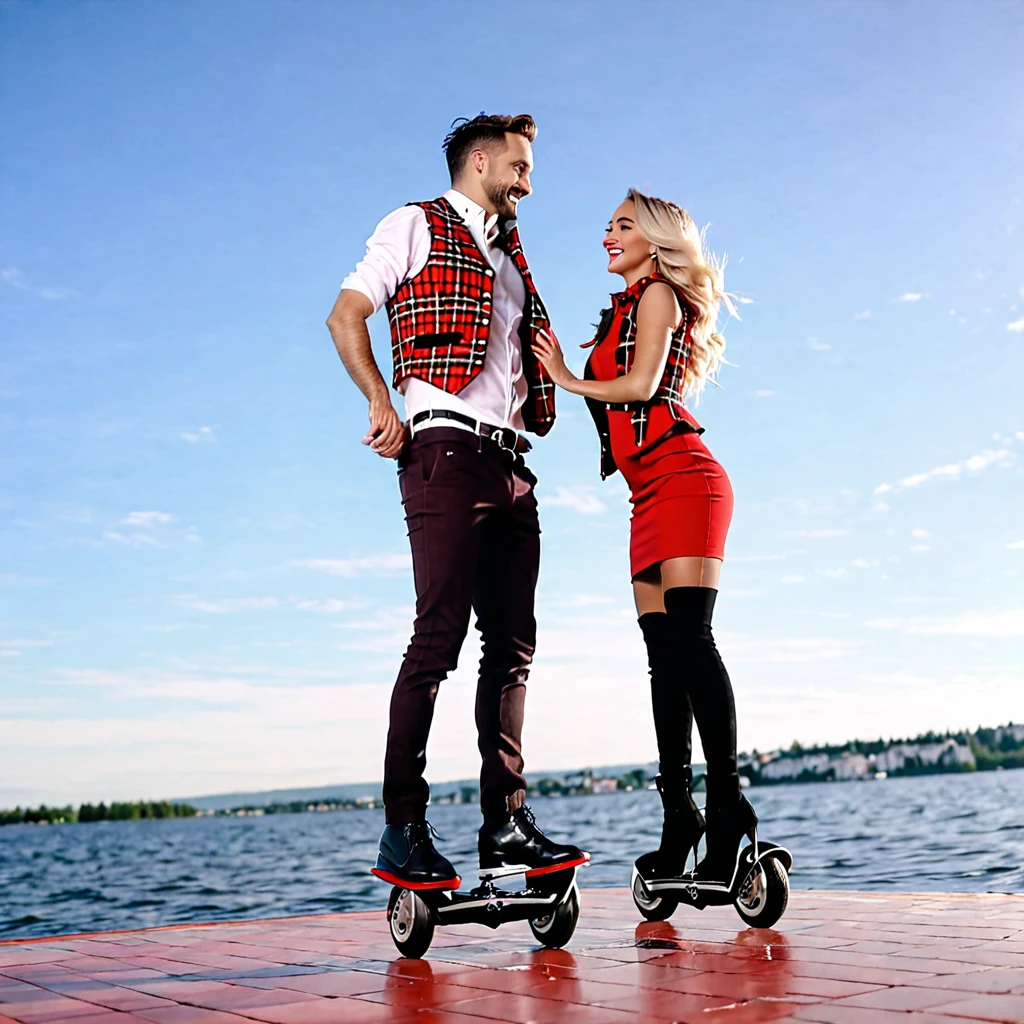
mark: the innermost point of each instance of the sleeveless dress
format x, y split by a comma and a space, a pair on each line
682, 499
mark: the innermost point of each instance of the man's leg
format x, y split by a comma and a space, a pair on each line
439, 491
506, 585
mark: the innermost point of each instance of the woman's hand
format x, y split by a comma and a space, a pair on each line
549, 352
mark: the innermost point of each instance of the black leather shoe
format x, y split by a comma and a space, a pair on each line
517, 844
407, 856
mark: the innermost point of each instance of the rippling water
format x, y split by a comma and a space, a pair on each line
957, 833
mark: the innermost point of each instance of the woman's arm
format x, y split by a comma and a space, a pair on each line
656, 319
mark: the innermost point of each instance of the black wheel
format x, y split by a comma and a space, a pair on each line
764, 894
652, 908
555, 928
411, 923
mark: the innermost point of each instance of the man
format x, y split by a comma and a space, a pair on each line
464, 312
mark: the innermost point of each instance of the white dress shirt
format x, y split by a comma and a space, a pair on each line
398, 250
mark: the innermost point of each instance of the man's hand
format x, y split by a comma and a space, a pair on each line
387, 434
347, 324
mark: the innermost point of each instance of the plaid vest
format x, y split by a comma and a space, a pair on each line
440, 319
619, 322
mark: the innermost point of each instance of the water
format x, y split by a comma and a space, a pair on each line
956, 833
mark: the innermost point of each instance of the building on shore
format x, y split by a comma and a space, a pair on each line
844, 765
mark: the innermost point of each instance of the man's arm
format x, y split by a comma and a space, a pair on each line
397, 250
347, 324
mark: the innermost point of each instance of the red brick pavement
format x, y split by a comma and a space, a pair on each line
835, 958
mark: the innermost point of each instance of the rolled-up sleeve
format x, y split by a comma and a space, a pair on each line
397, 250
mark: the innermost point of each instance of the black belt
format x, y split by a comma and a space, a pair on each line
504, 437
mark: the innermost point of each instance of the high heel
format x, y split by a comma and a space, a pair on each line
728, 821
681, 830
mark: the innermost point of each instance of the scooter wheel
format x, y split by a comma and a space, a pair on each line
764, 894
411, 923
652, 908
555, 929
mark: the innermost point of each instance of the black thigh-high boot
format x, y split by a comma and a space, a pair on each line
683, 823
729, 815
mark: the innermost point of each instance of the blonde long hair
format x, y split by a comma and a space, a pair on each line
680, 257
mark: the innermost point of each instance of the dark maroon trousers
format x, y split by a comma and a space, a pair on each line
475, 537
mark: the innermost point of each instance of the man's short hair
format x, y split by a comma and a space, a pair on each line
468, 134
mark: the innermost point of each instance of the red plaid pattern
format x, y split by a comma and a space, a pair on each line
621, 318
440, 319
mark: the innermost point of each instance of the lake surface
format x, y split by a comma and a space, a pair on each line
953, 833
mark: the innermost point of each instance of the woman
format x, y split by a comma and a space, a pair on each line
656, 345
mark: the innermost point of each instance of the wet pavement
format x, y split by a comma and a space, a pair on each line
835, 958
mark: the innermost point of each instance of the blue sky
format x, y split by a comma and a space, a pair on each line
204, 582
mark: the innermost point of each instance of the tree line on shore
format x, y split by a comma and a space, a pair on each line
133, 810
1000, 747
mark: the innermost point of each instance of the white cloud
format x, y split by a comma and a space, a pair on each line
147, 520
204, 435
15, 648
920, 547
898, 679
584, 601
974, 464
386, 631
794, 579
1016, 545
580, 499
13, 277
148, 531
816, 533
912, 297
1001, 624
132, 540
764, 393
367, 565
834, 574
747, 649
818, 346
863, 315
920, 533
1016, 325
228, 605
327, 605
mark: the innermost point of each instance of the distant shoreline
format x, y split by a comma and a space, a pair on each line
927, 755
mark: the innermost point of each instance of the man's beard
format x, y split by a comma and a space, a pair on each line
498, 195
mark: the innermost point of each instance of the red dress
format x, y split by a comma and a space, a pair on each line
682, 499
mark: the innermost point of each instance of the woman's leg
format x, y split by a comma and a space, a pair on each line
689, 593
670, 698
673, 719
673, 724
690, 610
